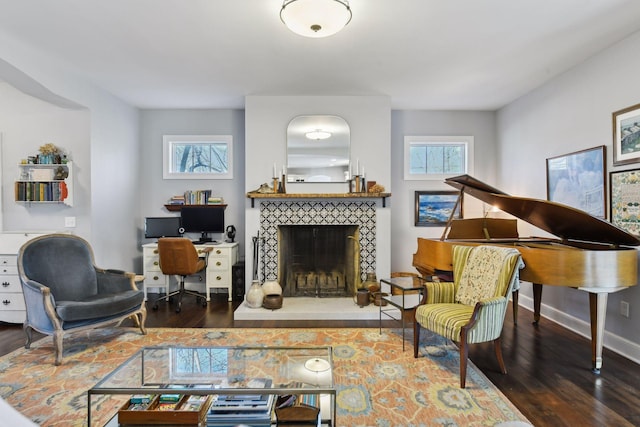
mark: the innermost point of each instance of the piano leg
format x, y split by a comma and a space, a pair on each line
537, 298
598, 311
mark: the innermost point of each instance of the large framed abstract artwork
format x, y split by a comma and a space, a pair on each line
433, 208
578, 180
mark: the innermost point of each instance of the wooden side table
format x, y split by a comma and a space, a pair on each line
404, 301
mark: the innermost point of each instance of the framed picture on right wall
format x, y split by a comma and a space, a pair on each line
625, 200
626, 135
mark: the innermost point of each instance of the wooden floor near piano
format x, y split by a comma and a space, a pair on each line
549, 377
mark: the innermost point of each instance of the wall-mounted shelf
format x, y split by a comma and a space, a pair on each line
37, 184
178, 208
382, 196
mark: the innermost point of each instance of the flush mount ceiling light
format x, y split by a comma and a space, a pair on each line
315, 18
318, 134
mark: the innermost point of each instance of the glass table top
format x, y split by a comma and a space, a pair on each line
232, 370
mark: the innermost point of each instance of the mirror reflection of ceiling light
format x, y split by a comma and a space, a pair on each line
316, 364
318, 134
315, 18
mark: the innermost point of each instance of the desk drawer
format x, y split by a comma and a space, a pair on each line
152, 278
151, 263
217, 264
216, 252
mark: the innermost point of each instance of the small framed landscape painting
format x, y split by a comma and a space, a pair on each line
626, 136
433, 208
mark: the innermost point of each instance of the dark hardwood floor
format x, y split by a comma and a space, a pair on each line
549, 377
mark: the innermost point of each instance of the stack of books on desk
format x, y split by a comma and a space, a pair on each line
253, 410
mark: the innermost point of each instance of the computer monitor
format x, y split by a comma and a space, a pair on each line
202, 219
166, 226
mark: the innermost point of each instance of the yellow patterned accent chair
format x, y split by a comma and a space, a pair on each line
472, 308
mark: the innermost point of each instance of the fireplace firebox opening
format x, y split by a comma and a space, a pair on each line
318, 260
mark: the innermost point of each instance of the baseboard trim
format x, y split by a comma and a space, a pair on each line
613, 342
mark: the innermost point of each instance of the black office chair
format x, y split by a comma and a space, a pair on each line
179, 257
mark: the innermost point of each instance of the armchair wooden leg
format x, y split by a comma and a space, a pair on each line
416, 338
143, 318
497, 344
464, 355
57, 344
28, 331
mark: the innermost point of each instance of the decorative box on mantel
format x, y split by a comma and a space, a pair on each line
255, 195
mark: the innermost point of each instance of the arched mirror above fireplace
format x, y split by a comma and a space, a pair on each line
318, 149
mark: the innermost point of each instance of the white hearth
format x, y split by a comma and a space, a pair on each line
310, 308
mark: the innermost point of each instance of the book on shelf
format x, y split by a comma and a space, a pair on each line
28, 191
196, 197
251, 409
176, 200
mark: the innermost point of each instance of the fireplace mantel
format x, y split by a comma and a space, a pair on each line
254, 195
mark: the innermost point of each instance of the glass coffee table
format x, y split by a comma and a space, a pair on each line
220, 376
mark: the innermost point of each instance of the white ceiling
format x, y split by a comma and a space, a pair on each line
423, 54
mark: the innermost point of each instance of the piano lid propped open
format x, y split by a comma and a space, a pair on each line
563, 221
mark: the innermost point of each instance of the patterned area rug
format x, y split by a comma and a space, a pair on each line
378, 384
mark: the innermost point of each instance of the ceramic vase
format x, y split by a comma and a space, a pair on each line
271, 287
255, 295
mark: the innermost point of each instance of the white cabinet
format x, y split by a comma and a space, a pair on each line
217, 274
44, 183
12, 308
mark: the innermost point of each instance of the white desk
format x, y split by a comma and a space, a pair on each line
217, 274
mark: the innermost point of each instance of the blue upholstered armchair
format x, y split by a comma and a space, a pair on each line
471, 309
65, 291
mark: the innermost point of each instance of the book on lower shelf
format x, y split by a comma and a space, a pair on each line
255, 410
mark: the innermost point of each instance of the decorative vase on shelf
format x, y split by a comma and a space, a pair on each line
255, 295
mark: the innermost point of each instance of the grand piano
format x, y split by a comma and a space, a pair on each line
589, 254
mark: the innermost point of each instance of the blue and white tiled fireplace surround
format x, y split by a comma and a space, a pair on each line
357, 213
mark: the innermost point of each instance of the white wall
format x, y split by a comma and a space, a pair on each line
157, 191
28, 123
570, 113
107, 162
369, 118
480, 125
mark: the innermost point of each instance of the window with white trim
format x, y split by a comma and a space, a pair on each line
437, 157
197, 157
